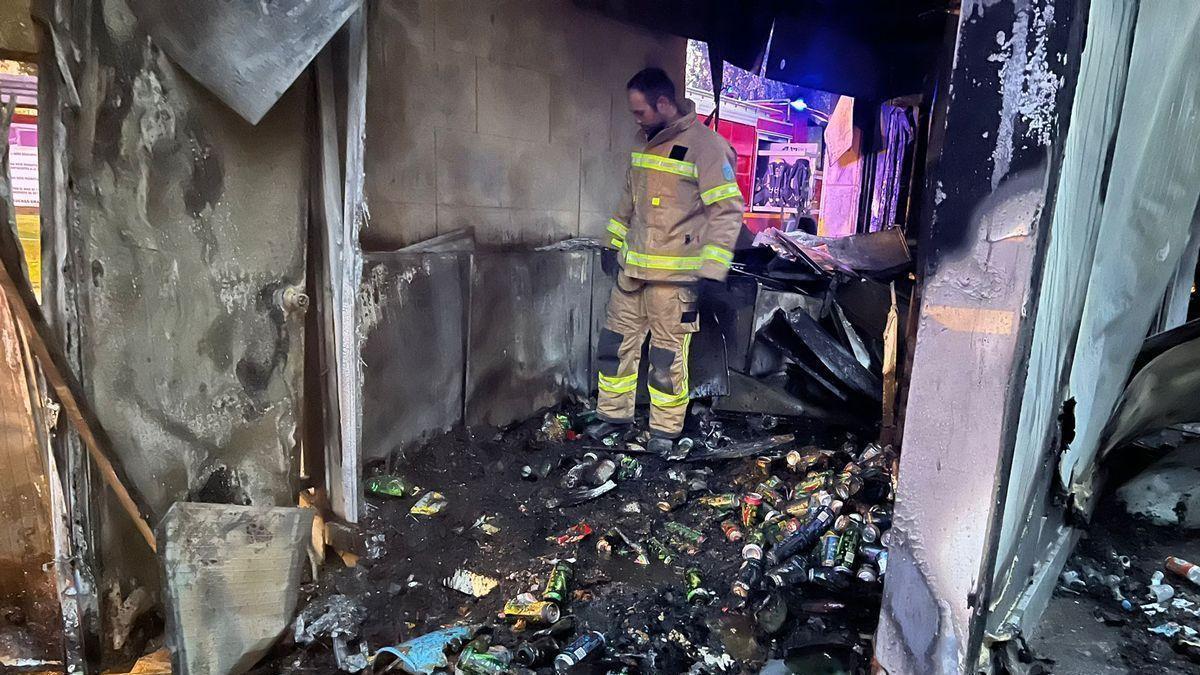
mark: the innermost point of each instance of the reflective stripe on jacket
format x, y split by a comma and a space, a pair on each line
681, 210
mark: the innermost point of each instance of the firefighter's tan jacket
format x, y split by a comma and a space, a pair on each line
681, 210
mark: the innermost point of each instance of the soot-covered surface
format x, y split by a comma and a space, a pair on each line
641, 609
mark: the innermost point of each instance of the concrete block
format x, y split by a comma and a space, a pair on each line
466, 25
624, 129
603, 179
542, 35
483, 219
400, 163
544, 176
473, 169
231, 578
513, 102
454, 96
409, 20
398, 223
594, 224
539, 227
580, 115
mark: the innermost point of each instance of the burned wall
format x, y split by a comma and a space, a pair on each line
508, 116
482, 338
181, 244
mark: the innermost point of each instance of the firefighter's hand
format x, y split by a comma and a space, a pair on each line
608, 262
709, 287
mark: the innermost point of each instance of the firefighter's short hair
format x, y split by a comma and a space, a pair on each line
653, 83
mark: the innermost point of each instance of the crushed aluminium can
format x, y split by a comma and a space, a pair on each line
628, 468
722, 502
695, 592
731, 530
870, 533
473, 662
798, 508
751, 501
814, 482
660, 550
539, 611
773, 497
556, 583
684, 532
574, 534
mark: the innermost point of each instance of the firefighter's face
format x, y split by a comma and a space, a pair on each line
649, 117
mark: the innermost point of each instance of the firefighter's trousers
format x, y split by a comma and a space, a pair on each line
667, 311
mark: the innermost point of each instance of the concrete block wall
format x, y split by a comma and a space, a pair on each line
508, 116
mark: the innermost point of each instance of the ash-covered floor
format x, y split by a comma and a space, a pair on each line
641, 609
1087, 631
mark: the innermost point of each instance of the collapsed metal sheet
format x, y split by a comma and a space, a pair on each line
1122, 224
413, 316
528, 334
1166, 392
246, 53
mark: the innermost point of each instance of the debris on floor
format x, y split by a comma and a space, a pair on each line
1137, 582
765, 541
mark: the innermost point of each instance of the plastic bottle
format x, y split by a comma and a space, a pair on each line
1184, 569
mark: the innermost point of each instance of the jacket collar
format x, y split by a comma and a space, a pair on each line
688, 108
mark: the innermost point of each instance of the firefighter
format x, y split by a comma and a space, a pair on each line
676, 223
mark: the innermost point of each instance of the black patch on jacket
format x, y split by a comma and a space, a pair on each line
678, 152
688, 317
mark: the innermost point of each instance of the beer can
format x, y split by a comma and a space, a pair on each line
750, 503
660, 550
870, 454
880, 516
731, 530
556, 584
798, 508
749, 575
790, 573
848, 486
870, 533
847, 548
695, 592
814, 482
774, 482
750, 551
684, 532
772, 497
828, 547
540, 611
755, 536
793, 459
871, 552
868, 574
764, 465
786, 528
725, 501
580, 649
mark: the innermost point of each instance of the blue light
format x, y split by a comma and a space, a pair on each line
799, 104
